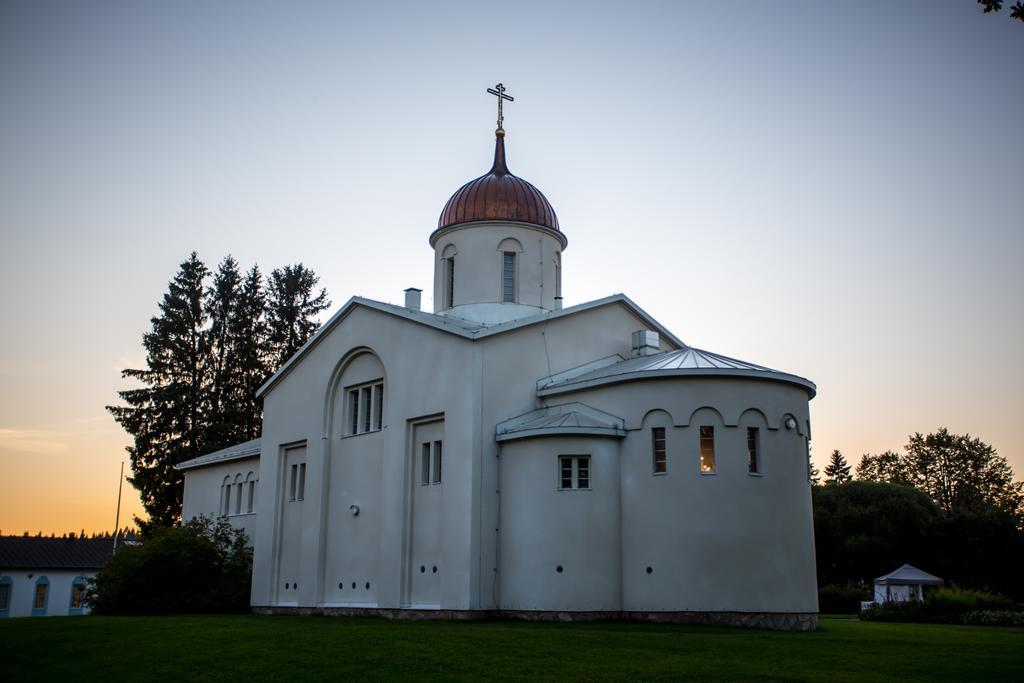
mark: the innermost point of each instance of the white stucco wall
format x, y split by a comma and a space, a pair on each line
58, 602
203, 492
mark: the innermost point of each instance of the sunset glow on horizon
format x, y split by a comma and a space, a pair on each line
827, 190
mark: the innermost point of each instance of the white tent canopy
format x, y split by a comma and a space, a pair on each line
903, 585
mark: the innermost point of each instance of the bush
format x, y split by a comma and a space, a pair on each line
841, 599
943, 606
200, 566
992, 617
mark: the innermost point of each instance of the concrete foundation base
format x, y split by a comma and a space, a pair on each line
778, 621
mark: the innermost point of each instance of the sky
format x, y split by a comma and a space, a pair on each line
829, 189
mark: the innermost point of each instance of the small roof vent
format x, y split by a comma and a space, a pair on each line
645, 343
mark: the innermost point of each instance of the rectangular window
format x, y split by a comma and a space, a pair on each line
293, 482
575, 471
238, 498
752, 438
302, 482
658, 448
707, 449
378, 395
437, 462
449, 282
367, 403
353, 407
252, 497
5, 596
508, 277
77, 592
39, 602
425, 464
227, 499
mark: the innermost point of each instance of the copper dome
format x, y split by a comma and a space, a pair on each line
498, 196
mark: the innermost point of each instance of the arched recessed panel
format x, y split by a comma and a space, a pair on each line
449, 251
510, 244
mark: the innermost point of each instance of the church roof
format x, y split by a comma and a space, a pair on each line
34, 552
456, 326
498, 196
566, 419
687, 361
246, 449
909, 575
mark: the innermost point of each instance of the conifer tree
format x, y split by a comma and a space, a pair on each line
166, 415
220, 358
292, 309
248, 329
838, 470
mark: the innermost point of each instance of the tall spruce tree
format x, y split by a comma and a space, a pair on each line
221, 358
166, 416
248, 330
292, 309
838, 470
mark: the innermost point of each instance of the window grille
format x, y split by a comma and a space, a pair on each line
658, 448
508, 277
449, 282
574, 471
753, 436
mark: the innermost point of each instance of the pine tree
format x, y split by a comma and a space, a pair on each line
220, 302
248, 328
292, 308
166, 416
838, 470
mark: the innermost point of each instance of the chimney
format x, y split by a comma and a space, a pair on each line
645, 343
412, 298
558, 303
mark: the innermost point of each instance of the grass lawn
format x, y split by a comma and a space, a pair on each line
306, 648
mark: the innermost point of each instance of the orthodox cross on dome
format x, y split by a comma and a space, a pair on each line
499, 92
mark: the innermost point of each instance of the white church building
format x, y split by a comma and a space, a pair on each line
503, 455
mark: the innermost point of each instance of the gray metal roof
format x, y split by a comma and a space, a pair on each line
909, 575
682, 362
566, 420
33, 552
457, 326
246, 449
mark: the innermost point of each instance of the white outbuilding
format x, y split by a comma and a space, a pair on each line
905, 584
506, 455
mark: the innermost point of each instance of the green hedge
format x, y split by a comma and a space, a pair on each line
948, 606
841, 599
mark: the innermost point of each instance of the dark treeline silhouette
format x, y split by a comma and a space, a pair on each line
1016, 9
948, 504
217, 338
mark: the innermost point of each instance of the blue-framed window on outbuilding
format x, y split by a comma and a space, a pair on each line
40, 597
6, 587
77, 595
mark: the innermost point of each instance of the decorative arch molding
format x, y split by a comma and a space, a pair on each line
449, 251
755, 415
335, 382
712, 409
510, 244
798, 428
657, 415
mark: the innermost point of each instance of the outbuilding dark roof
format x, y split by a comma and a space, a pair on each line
33, 552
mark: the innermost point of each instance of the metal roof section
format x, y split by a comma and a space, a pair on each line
246, 449
685, 362
33, 552
909, 575
459, 327
567, 419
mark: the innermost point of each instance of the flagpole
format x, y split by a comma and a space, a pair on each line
117, 516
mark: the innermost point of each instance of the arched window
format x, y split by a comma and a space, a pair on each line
448, 276
40, 597
77, 595
250, 484
238, 494
225, 497
509, 249
6, 586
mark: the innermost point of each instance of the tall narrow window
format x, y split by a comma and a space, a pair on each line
574, 471
658, 448
707, 449
293, 482
238, 495
5, 595
251, 502
367, 403
753, 436
41, 596
558, 274
77, 593
353, 408
449, 282
508, 277
425, 464
437, 462
227, 497
302, 481
378, 394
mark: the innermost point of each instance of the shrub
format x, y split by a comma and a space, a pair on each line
841, 599
200, 566
992, 617
942, 606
